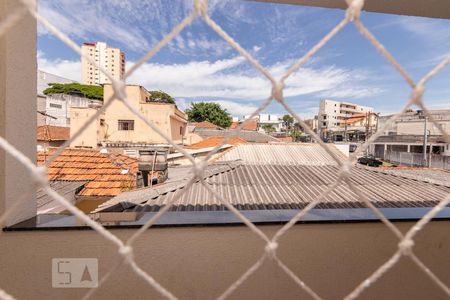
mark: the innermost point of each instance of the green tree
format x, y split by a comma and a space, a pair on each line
160, 96
288, 121
268, 128
295, 134
88, 91
209, 111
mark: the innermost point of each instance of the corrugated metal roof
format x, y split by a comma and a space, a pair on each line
178, 177
67, 189
273, 186
289, 154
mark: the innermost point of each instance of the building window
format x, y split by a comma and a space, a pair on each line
126, 124
55, 105
181, 130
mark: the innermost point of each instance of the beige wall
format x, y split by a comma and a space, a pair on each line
107, 57
17, 111
201, 262
90, 136
165, 116
417, 127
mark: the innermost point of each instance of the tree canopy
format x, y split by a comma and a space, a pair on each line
209, 111
288, 121
88, 91
160, 96
268, 128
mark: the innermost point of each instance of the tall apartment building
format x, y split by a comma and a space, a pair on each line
111, 59
333, 114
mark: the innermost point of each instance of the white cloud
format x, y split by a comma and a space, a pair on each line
225, 78
237, 109
82, 19
65, 68
231, 79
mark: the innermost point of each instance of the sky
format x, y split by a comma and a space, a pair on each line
199, 66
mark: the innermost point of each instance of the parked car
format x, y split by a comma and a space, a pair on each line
352, 148
370, 161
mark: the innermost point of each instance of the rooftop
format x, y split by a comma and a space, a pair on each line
268, 187
50, 133
107, 175
283, 154
247, 135
216, 140
205, 125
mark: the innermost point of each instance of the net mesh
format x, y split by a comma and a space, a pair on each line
125, 249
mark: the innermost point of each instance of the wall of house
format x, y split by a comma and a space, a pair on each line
17, 112
159, 113
41, 104
201, 262
90, 136
417, 127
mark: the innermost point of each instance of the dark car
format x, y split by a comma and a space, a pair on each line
370, 161
352, 148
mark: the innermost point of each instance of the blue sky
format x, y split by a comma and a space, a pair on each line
199, 66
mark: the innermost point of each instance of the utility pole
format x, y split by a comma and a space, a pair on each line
425, 137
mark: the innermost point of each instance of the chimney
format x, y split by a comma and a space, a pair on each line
153, 166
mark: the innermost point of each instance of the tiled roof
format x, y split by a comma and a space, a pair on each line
105, 174
50, 133
234, 125
206, 125
250, 125
214, 141
247, 135
308, 154
250, 187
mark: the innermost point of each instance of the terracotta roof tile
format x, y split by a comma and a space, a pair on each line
250, 125
216, 140
206, 125
104, 172
52, 133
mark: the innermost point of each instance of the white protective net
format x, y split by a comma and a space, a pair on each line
200, 10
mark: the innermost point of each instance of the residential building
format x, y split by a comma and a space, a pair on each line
58, 106
333, 114
269, 119
258, 122
119, 129
110, 59
413, 123
403, 141
50, 111
51, 136
45, 78
356, 128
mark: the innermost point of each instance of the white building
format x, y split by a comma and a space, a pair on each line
57, 108
269, 119
111, 59
332, 114
44, 110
